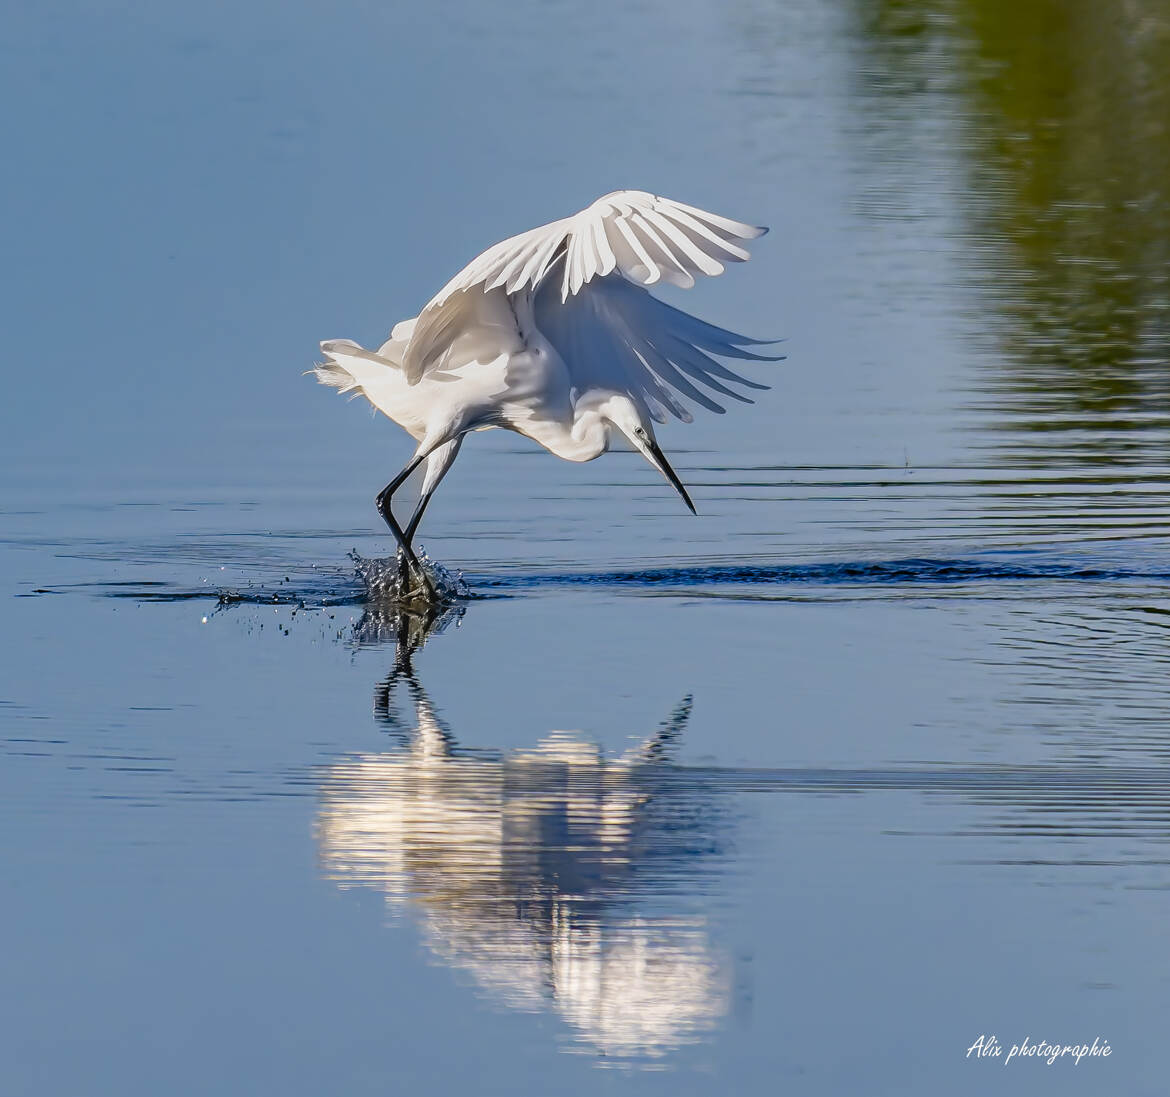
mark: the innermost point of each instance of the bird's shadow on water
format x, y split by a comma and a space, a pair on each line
555, 878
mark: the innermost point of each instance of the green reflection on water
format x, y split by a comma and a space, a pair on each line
1058, 116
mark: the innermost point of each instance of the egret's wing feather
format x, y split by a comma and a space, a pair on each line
642, 237
472, 326
616, 336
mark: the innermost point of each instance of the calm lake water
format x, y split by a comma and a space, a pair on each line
809, 792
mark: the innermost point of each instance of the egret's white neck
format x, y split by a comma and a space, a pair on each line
586, 439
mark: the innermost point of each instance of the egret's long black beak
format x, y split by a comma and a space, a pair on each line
659, 459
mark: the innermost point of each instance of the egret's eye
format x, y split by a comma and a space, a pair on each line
639, 432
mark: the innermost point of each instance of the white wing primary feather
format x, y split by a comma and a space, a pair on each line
639, 236
616, 336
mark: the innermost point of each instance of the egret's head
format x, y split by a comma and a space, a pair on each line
622, 413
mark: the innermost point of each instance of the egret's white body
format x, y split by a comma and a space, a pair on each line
553, 334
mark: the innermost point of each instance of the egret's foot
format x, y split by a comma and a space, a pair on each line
422, 596
414, 584
428, 588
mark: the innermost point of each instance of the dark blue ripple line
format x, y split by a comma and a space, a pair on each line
348, 590
914, 570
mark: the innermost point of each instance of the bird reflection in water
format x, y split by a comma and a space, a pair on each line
558, 878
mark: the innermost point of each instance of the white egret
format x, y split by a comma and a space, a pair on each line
552, 334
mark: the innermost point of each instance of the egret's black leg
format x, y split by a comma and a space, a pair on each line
382, 502
416, 517
439, 460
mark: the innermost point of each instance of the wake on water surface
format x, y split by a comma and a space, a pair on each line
378, 580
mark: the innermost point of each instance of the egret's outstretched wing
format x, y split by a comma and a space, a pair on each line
616, 336
642, 237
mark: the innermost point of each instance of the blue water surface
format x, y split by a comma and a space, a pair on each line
808, 792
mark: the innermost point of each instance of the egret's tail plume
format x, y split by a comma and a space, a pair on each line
332, 371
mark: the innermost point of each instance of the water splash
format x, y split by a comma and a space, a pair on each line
387, 580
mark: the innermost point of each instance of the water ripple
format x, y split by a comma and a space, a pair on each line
337, 586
